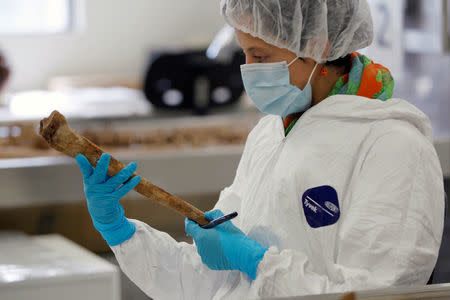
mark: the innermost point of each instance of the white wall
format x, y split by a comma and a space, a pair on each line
118, 38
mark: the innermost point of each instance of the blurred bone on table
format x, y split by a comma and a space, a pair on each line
86, 102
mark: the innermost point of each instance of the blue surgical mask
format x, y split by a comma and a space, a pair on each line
269, 87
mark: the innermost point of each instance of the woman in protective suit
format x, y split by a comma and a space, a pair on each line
339, 187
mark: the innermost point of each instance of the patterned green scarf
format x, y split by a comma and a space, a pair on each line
365, 79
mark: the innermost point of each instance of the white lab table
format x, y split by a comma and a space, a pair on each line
52, 267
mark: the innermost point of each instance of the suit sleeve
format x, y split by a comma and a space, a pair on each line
389, 234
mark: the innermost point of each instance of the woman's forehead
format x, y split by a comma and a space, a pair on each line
249, 42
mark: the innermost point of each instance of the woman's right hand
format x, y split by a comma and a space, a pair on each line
103, 194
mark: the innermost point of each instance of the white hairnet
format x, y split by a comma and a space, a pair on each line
323, 30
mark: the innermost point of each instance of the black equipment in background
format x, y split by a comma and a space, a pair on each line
191, 81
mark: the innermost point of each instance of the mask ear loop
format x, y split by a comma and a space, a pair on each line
312, 73
289, 64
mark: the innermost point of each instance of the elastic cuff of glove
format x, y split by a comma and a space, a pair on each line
118, 234
255, 257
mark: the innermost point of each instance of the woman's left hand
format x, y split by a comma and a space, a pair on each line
225, 247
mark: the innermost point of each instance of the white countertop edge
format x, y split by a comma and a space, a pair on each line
434, 291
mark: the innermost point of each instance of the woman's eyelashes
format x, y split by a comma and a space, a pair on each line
259, 58
255, 57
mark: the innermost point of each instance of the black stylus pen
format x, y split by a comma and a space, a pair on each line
220, 220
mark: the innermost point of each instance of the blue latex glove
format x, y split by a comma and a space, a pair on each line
225, 247
103, 194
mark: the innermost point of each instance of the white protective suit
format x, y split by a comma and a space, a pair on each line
379, 158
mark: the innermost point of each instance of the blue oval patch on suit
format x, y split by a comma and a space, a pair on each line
321, 206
